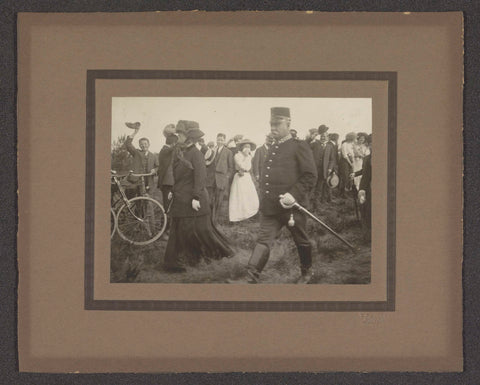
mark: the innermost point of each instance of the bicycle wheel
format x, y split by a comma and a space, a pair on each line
113, 222
141, 221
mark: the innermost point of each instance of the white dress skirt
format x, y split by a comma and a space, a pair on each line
243, 202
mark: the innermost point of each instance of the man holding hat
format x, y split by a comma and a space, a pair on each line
325, 157
289, 173
144, 161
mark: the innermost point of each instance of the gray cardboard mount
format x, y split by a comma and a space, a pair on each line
56, 333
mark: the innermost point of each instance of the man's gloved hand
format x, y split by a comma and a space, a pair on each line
286, 200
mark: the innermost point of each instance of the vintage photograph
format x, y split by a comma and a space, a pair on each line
241, 190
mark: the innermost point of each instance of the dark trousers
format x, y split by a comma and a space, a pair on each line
345, 182
321, 192
270, 226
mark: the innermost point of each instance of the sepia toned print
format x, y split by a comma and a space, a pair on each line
241, 190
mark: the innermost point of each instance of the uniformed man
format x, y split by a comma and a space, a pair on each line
288, 175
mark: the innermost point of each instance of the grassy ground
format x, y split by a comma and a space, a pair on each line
333, 262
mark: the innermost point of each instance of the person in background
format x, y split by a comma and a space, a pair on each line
165, 159
365, 191
312, 135
243, 200
329, 165
232, 144
144, 162
259, 157
333, 137
293, 132
202, 146
289, 175
325, 157
209, 154
360, 151
346, 163
193, 236
218, 176
317, 146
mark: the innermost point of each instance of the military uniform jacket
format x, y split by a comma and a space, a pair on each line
289, 167
189, 183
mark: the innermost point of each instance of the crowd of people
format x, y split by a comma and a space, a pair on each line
197, 178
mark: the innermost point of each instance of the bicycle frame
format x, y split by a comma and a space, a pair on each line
124, 196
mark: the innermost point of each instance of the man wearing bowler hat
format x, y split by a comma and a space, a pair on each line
289, 173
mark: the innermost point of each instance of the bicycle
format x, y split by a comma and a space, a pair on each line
140, 220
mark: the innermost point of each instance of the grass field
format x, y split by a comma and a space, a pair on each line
333, 262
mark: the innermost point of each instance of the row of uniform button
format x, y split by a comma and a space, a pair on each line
268, 168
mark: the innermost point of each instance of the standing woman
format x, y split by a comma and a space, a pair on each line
192, 233
243, 201
346, 163
360, 151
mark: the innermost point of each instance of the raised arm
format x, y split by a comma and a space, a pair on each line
128, 142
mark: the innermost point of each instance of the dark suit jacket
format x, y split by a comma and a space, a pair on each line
190, 176
258, 160
329, 160
318, 151
152, 161
289, 167
224, 168
165, 158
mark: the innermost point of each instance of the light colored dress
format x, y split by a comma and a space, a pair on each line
243, 202
360, 151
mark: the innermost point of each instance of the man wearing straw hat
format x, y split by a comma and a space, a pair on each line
289, 173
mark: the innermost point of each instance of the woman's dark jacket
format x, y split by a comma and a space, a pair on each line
190, 175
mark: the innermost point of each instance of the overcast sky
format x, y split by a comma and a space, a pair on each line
247, 116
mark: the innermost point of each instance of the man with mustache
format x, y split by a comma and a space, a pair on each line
288, 175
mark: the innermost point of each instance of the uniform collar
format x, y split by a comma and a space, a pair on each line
284, 139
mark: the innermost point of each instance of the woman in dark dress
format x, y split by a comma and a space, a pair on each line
192, 233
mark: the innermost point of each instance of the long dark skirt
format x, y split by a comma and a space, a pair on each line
192, 239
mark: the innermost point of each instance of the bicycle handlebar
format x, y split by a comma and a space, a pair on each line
149, 174
114, 173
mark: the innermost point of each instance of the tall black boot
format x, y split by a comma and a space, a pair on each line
307, 273
257, 262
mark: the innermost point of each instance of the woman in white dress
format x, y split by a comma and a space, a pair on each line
360, 151
243, 202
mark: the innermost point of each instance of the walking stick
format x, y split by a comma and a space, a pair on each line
303, 209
